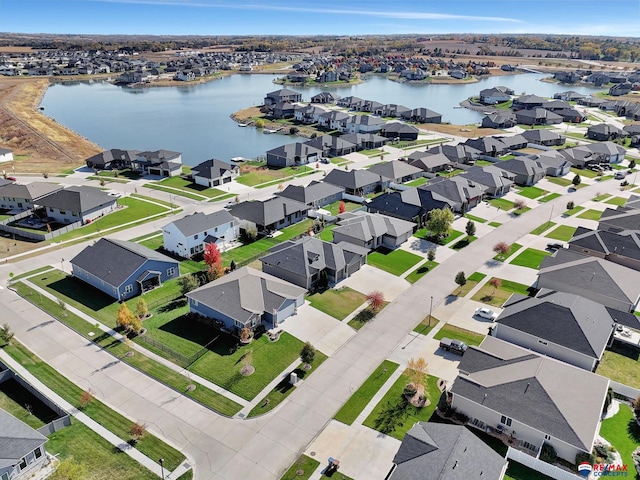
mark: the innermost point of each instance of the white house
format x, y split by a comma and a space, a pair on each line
77, 204
187, 236
214, 172
6, 155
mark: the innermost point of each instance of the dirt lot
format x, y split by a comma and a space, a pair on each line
469, 131
38, 142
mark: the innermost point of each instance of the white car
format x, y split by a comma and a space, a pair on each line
486, 313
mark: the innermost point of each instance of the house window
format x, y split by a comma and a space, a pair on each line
547, 437
23, 463
5, 476
543, 342
505, 421
171, 271
50, 209
128, 288
38, 452
194, 302
195, 237
62, 212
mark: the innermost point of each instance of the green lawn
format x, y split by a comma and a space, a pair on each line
502, 203
421, 271
424, 234
361, 397
517, 471
334, 208
191, 187
591, 215
549, 197
494, 224
394, 416
467, 336
564, 182
327, 233
426, 325
472, 281
364, 316
265, 175
573, 211
623, 433
417, 182
46, 268
563, 233
618, 201
513, 248
530, 258
584, 172
531, 192
281, 391
460, 244
304, 464
601, 198
474, 218
620, 364
338, 303
496, 297
395, 262
172, 192
542, 228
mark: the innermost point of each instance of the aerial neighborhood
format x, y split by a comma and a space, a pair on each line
383, 295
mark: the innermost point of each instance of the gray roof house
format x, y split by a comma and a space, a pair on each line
622, 249
77, 204
123, 269
447, 452
604, 132
491, 146
429, 162
332, 146
491, 96
316, 194
555, 164
538, 116
605, 282
293, 154
272, 214
543, 136
355, 182
499, 120
282, 95
212, 173
365, 140
412, 205
16, 196
400, 131
162, 163
396, 171
564, 326
464, 193
372, 230
532, 399
422, 115
22, 450
114, 158
620, 220
460, 153
364, 124
495, 181
188, 235
245, 298
525, 170
309, 262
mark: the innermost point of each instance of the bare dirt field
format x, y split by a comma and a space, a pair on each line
459, 130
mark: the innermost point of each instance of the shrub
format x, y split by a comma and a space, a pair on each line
570, 205
431, 255
548, 453
576, 180
137, 431
308, 353
410, 390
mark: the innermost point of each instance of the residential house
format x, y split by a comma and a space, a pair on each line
622, 220
162, 163
462, 192
23, 451
400, 131
282, 95
447, 452
537, 116
310, 262
270, 215
429, 162
614, 247
123, 269
590, 101
214, 172
604, 132
569, 95
564, 326
582, 156
525, 170
316, 194
492, 96
365, 141
246, 298
188, 235
555, 105
525, 102
364, 124
499, 120
529, 398
372, 230
392, 110
571, 115
115, 159
609, 152
19, 197
494, 181
350, 102
332, 146
633, 129
355, 182
293, 154
422, 115
543, 136
77, 204
396, 171
554, 162
308, 114
6, 155
412, 205
283, 110
513, 142
460, 153
325, 97
605, 282
334, 120
489, 146
621, 89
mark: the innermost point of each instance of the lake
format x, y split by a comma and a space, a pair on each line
195, 119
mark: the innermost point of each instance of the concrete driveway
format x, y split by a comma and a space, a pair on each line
461, 313
369, 278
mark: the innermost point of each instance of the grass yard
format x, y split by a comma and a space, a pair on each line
191, 187
421, 271
426, 325
472, 281
531, 192
513, 248
394, 416
327, 233
591, 215
584, 172
530, 258
364, 316
460, 244
174, 192
573, 211
622, 432
601, 198
334, 208
563, 182
305, 465
542, 228
101, 459
502, 203
496, 297
417, 182
264, 175
563, 233
517, 471
467, 336
337, 302
549, 197
474, 218
424, 234
363, 395
395, 262
618, 201
621, 364
281, 391
494, 224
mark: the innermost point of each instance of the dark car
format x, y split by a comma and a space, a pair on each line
455, 346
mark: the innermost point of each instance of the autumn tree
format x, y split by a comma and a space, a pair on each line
496, 283
213, 260
375, 300
308, 353
439, 223
470, 228
259, 123
519, 204
187, 283
125, 316
142, 309
86, 398
501, 248
137, 431
342, 207
417, 371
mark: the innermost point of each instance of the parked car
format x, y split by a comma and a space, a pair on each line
486, 313
620, 174
13, 179
555, 246
455, 346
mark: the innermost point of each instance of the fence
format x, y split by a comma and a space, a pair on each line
624, 390
54, 426
540, 466
180, 359
40, 237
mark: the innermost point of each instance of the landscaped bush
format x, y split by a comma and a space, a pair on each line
548, 453
603, 453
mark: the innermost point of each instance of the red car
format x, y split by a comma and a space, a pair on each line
13, 179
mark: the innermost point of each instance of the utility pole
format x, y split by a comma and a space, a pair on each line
430, 309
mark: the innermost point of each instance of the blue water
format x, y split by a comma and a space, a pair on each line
195, 120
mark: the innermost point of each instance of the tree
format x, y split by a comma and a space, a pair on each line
417, 371
308, 353
125, 317
496, 283
187, 283
460, 279
576, 180
6, 334
135, 325
632, 164
212, 254
501, 248
470, 228
69, 469
137, 431
519, 204
232, 265
431, 255
215, 271
570, 205
293, 130
375, 300
85, 398
142, 309
439, 223
259, 123
342, 207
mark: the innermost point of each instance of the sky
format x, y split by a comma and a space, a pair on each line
320, 17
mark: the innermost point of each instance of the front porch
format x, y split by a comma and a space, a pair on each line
506, 436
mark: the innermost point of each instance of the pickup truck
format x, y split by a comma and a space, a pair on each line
455, 346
